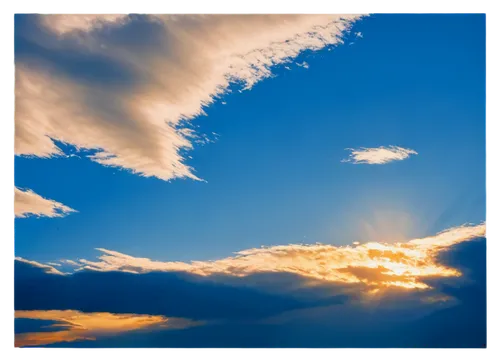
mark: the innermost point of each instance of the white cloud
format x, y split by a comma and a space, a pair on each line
303, 64
376, 264
70, 262
170, 67
380, 155
27, 203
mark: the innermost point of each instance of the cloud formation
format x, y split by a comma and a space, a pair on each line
376, 265
75, 325
125, 86
240, 312
28, 203
380, 155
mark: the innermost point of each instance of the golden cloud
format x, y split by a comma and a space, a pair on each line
374, 264
76, 325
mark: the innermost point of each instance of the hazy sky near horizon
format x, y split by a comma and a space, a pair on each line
342, 155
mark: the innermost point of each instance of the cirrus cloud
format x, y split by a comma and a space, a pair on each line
380, 155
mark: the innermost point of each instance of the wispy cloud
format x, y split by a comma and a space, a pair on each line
76, 325
27, 203
374, 264
303, 64
380, 155
45, 267
61, 23
140, 78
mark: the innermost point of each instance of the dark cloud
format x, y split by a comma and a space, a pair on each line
252, 312
157, 293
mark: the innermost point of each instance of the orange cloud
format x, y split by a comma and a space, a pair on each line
375, 264
76, 325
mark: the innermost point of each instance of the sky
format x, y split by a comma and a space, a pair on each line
282, 165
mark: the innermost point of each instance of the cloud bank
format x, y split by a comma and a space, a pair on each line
28, 203
124, 87
380, 155
278, 309
377, 265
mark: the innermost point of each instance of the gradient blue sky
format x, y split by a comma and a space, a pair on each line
274, 174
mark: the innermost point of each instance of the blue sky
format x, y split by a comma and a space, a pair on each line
271, 159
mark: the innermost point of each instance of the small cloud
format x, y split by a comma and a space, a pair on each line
45, 268
77, 326
53, 264
380, 155
28, 203
70, 262
303, 64
358, 34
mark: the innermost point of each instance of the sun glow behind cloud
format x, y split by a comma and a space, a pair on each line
76, 325
375, 264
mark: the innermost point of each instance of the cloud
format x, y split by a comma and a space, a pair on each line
63, 23
380, 155
243, 317
125, 87
45, 268
377, 265
303, 64
76, 325
171, 294
27, 203
373, 265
